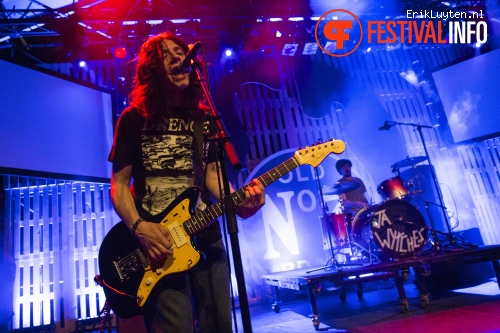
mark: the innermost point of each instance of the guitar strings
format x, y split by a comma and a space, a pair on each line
133, 258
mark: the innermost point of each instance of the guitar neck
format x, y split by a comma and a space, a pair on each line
202, 219
309, 155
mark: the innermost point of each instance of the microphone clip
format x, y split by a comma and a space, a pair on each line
387, 126
185, 65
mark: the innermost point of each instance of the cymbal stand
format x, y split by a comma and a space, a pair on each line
436, 244
452, 241
325, 223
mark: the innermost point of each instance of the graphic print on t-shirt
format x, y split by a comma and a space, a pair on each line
167, 154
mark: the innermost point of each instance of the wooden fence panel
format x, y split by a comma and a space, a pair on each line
55, 232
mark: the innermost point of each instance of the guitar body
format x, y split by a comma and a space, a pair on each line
126, 269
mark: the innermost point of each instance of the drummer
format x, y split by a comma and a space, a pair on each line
355, 200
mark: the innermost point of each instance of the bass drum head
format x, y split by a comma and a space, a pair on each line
394, 228
399, 229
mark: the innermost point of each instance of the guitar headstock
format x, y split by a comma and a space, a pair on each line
315, 154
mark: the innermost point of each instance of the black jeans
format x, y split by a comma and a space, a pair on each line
201, 294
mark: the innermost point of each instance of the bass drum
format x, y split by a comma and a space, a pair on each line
395, 228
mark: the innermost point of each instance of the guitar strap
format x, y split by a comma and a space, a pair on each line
212, 233
199, 148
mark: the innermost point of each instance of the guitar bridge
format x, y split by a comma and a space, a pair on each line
118, 270
130, 264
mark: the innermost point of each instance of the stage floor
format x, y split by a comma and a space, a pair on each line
472, 310
344, 276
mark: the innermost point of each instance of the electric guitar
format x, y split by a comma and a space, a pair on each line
126, 274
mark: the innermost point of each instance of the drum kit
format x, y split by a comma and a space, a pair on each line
391, 230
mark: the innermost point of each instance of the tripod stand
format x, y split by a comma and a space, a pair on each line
452, 241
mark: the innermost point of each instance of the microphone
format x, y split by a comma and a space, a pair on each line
385, 127
185, 65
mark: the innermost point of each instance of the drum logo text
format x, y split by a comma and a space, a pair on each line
401, 241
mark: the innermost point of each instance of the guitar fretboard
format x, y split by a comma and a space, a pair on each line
202, 219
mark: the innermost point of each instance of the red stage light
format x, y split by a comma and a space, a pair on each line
120, 52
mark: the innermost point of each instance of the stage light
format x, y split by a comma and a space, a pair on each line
81, 63
228, 52
120, 52
278, 33
154, 22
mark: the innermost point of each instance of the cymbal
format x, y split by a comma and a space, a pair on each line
409, 161
340, 188
331, 197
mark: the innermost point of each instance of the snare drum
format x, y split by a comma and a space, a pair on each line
340, 224
392, 188
395, 228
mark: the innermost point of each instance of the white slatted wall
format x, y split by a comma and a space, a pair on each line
481, 162
54, 232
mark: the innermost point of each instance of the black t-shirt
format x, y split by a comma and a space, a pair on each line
165, 158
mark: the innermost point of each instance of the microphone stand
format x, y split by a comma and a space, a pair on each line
326, 225
452, 239
223, 146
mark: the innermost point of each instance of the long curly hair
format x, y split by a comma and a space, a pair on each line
150, 94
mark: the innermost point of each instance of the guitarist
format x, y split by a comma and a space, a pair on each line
158, 152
